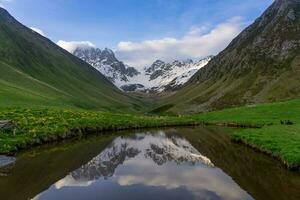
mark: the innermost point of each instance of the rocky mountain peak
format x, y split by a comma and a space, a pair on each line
164, 76
155, 66
106, 62
155, 78
108, 51
158, 62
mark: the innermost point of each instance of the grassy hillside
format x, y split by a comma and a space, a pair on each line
262, 64
35, 71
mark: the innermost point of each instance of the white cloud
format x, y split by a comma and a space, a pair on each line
73, 45
39, 31
69, 181
198, 42
2, 2
194, 179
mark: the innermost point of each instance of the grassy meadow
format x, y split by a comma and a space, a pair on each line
277, 139
41, 125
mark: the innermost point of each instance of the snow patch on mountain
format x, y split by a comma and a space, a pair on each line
158, 77
106, 63
161, 76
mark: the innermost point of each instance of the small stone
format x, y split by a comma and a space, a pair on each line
5, 161
7, 125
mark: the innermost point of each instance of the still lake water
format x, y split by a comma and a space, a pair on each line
179, 163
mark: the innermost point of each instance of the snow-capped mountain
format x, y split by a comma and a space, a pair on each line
157, 148
160, 76
106, 62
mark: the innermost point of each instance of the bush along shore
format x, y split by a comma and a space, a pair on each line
271, 128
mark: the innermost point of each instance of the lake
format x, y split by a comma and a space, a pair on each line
174, 163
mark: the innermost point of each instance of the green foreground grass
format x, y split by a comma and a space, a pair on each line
41, 125
280, 141
37, 126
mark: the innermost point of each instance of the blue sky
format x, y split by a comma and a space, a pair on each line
137, 28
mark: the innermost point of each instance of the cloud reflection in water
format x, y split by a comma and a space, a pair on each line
157, 163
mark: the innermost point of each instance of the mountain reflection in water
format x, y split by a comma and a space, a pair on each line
147, 166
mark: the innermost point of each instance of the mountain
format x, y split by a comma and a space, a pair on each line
161, 76
106, 63
35, 71
262, 64
158, 149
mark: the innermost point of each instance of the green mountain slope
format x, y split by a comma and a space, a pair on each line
261, 65
35, 71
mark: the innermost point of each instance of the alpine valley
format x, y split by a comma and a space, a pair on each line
223, 127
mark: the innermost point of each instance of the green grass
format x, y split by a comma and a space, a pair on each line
262, 114
282, 141
41, 125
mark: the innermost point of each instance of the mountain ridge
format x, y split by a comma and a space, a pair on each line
34, 70
158, 77
260, 65
164, 77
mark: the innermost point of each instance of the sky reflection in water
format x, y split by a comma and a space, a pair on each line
147, 166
